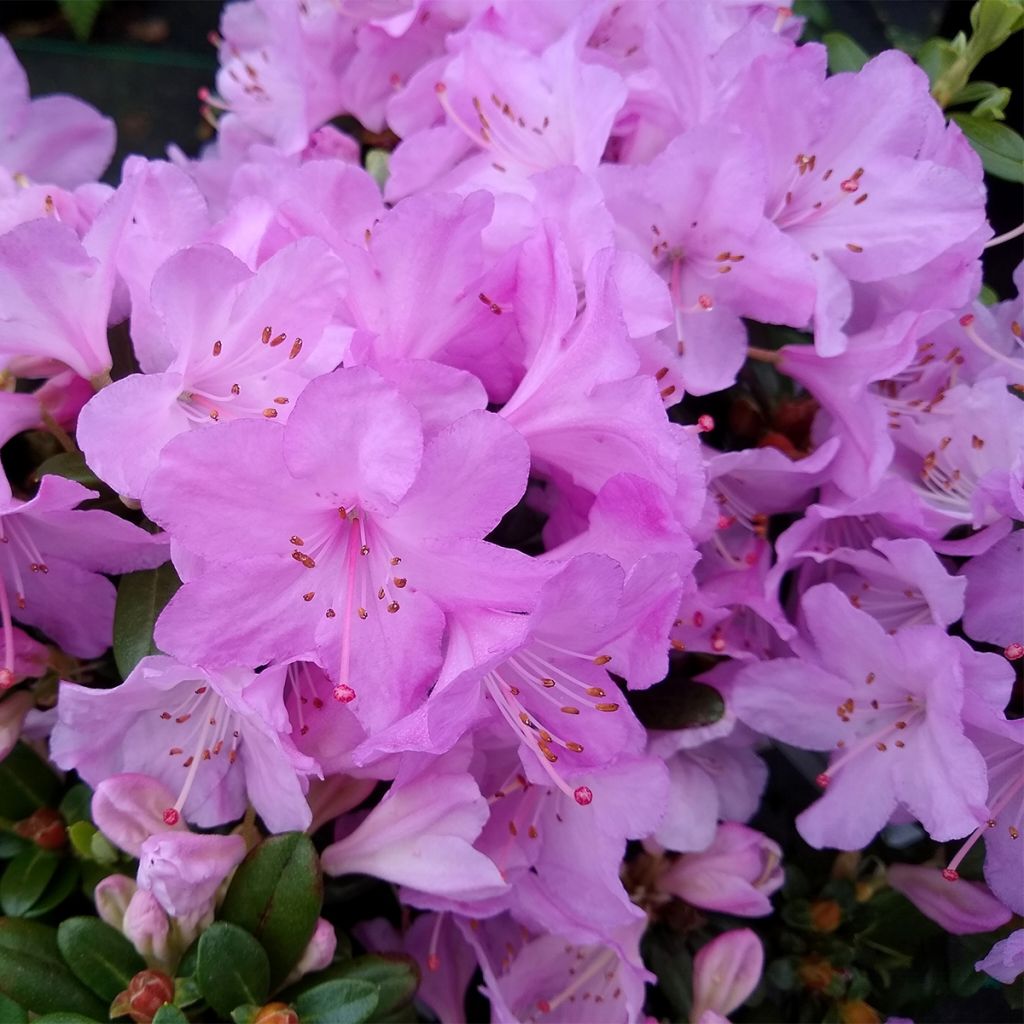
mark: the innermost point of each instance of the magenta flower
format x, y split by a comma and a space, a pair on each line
56, 139
51, 560
736, 874
888, 706
349, 558
961, 909
184, 871
217, 739
229, 344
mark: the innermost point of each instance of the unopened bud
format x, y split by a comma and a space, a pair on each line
826, 915
45, 828
146, 993
858, 1012
276, 1013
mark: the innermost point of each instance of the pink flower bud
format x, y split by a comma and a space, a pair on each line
725, 972
129, 808
961, 907
13, 710
112, 896
147, 927
736, 874
318, 954
183, 871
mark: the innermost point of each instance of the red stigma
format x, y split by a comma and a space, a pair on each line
966, 320
583, 795
1013, 653
171, 817
543, 1005
705, 423
344, 694
823, 780
433, 962
705, 301
950, 875
7, 677
440, 88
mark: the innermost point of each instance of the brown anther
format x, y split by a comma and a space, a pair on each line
524, 718
602, 659
547, 683
669, 391
576, 748
267, 333
270, 413
187, 763
395, 560
722, 257
165, 715
595, 691
362, 613
854, 248
309, 596
901, 725
217, 348
330, 613
174, 751
235, 389
661, 373
512, 828
365, 549
1014, 833
607, 707
296, 540
280, 400
977, 442
278, 340
532, 832
182, 719
214, 415
200, 690
304, 559
380, 594
296, 348
569, 710
870, 678
393, 607
881, 747
399, 581
861, 199
342, 512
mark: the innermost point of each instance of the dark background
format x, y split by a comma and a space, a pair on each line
146, 59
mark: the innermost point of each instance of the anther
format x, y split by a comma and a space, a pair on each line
607, 707
595, 691
393, 607
280, 400
270, 413
296, 540
235, 389
267, 332
602, 659
399, 581
304, 559
569, 710
296, 348
274, 342
217, 348
309, 596
854, 248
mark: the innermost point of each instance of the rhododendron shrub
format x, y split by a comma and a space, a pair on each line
572, 573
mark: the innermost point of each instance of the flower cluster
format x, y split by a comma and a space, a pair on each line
431, 465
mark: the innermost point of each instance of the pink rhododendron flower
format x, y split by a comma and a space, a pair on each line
725, 972
962, 909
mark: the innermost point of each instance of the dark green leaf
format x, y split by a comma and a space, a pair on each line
677, 704
843, 53
61, 886
10, 845
276, 895
80, 15
26, 784
666, 953
232, 968
71, 466
395, 976
244, 1014
1001, 149
64, 1017
11, 1012
33, 974
186, 991
76, 804
141, 597
169, 1014
25, 879
343, 1001
98, 955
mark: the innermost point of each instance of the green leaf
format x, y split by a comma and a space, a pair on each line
396, 978
186, 991
64, 1017
26, 784
937, 58
141, 597
71, 466
80, 15
1001, 149
676, 704
76, 804
843, 53
98, 955
11, 1012
987, 296
992, 23
61, 886
276, 895
232, 968
244, 1014
25, 879
169, 1014
342, 1001
33, 975
11, 845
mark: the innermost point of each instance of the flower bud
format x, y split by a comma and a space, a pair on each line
725, 972
826, 916
858, 1012
146, 993
147, 927
736, 874
276, 1013
183, 871
129, 808
961, 907
112, 896
319, 952
45, 828
13, 710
